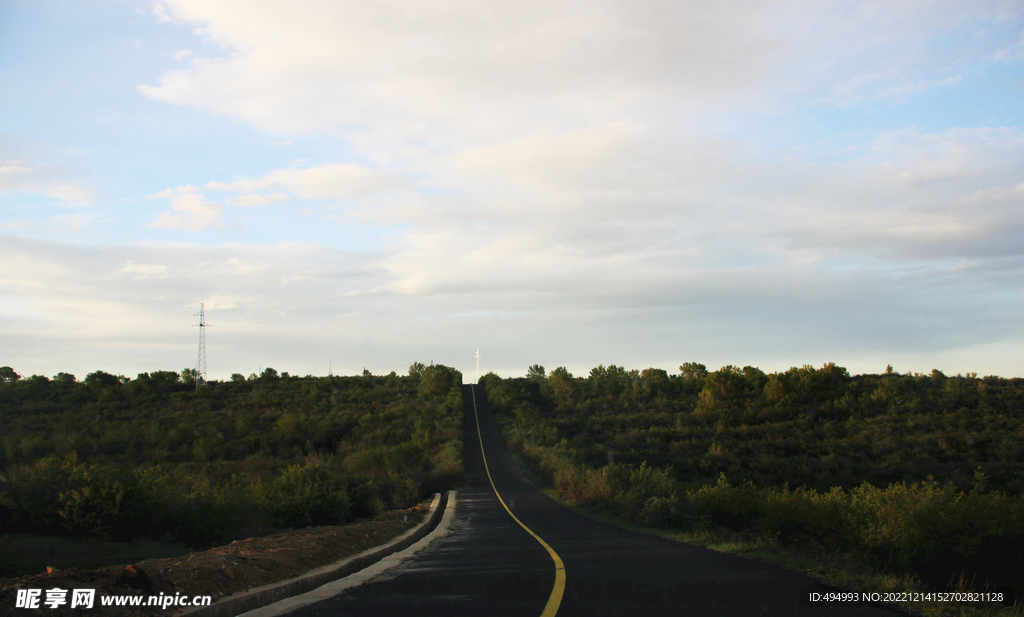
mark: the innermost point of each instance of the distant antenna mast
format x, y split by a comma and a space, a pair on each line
330, 368
201, 361
477, 380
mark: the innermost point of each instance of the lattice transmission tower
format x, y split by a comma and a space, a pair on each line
201, 360
477, 380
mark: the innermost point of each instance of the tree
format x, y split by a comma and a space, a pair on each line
726, 383
237, 377
722, 394
809, 383
268, 374
188, 375
8, 375
562, 385
755, 377
165, 379
536, 372
776, 389
416, 369
693, 374
612, 380
101, 379
157, 382
438, 380
653, 381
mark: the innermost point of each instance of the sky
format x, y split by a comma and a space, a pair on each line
363, 185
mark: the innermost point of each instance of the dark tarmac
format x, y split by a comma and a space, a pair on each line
490, 566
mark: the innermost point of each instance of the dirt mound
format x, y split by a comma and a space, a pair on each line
217, 572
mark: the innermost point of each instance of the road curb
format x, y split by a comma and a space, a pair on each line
379, 569
258, 597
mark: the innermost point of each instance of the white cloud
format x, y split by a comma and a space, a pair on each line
11, 172
548, 161
634, 221
1012, 195
435, 68
244, 201
225, 302
196, 214
71, 221
143, 271
337, 180
160, 13
436, 75
914, 195
44, 179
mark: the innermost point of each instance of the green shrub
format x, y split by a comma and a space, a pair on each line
666, 512
938, 531
200, 512
438, 380
808, 517
586, 487
307, 495
634, 487
63, 496
725, 505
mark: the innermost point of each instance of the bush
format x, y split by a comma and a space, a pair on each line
586, 487
67, 497
307, 495
635, 486
937, 531
668, 511
808, 517
438, 379
733, 507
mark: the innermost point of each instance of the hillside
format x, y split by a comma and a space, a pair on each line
152, 457
913, 474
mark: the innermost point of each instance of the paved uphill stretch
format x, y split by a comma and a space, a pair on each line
514, 551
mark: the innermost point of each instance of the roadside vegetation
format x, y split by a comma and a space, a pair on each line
912, 481
154, 458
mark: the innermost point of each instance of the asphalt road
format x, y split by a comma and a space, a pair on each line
490, 565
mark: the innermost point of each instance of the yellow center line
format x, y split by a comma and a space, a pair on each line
555, 600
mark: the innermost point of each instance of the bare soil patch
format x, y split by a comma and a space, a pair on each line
217, 572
